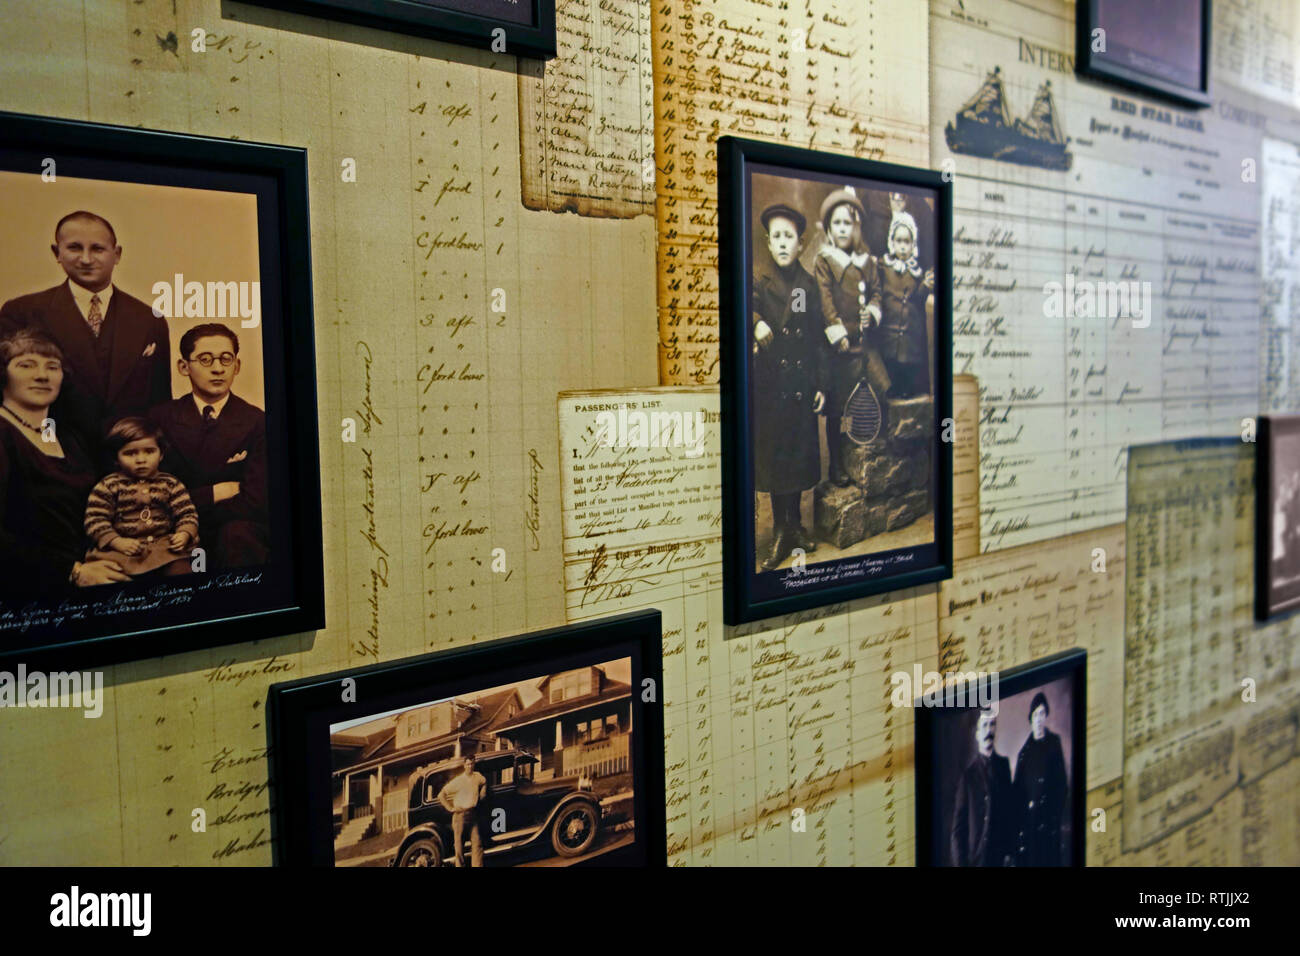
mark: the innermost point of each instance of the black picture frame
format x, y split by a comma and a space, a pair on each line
1273, 466
301, 712
277, 176
441, 20
1108, 68
746, 596
932, 812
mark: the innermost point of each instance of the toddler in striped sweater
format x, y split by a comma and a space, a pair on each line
132, 508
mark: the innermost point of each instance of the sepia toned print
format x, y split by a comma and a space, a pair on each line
838, 301
149, 448
537, 772
107, 365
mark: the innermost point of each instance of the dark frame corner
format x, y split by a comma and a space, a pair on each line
734, 155
1269, 427
300, 712
1016, 680
428, 19
1094, 67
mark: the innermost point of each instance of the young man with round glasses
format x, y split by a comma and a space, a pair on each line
218, 442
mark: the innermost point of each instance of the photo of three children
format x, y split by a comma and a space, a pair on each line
841, 332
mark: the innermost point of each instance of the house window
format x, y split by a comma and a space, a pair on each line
571, 684
611, 725
580, 733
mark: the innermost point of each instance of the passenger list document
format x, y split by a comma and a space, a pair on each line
1279, 177
586, 115
1256, 44
781, 744
642, 496
846, 76
1093, 318
1210, 697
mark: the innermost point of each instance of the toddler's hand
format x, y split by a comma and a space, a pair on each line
928, 281
127, 546
179, 541
842, 345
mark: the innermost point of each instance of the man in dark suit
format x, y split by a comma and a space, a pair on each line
114, 347
983, 819
217, 448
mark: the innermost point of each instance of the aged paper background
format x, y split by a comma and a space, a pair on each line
454, 402
586, 118
461, 449
1153, 197
842, 75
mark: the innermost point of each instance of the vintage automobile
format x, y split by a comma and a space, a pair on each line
517, 814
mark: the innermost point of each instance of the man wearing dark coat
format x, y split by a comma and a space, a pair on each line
217, 448
787, 381
983, 818
115, 349
1041, 790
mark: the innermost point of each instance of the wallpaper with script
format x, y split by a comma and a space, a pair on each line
455, 403
479, 176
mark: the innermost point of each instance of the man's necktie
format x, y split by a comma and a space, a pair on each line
209, 416
95, 318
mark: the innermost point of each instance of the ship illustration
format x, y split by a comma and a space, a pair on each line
984, 128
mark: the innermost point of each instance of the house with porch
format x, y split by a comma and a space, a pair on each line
579, 725
372, 762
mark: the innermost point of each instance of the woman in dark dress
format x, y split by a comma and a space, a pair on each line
45, 478
1041, 790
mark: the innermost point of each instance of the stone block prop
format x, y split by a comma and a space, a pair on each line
909, 419
882, 469
903, 511
891, 478
840, 515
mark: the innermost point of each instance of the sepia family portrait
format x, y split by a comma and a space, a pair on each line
143, 362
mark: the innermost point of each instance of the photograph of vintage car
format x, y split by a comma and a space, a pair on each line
531, 773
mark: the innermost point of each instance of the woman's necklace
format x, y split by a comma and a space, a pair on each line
20, 420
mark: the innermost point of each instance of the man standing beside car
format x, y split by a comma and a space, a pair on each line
460, 797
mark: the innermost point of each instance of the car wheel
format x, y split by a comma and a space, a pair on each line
575, 829
421, 853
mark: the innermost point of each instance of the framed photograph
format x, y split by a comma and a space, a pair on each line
1157, 47
1277, 515
159, 469
836, 329
541, 750
1000, 767
520, 27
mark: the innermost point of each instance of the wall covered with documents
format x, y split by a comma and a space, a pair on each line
500, 244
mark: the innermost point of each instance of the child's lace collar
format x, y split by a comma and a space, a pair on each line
899, 266
844, 259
